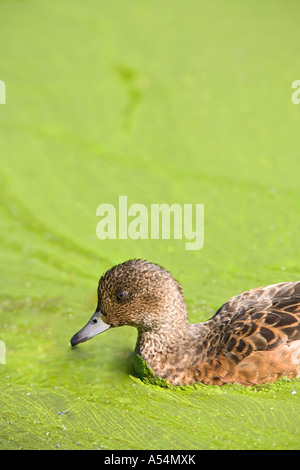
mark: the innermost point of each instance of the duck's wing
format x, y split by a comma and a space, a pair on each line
257, 320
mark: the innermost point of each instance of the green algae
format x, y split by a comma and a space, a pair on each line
163, 104
145, 373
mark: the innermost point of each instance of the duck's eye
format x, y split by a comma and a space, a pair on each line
122, 295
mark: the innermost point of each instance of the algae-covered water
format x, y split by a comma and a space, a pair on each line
162, 102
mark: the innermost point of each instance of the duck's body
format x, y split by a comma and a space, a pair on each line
253, 338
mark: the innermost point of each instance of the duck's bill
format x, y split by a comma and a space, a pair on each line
94, 327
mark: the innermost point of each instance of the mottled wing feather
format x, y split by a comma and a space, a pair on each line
257, 320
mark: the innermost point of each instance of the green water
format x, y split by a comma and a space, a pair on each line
173, 101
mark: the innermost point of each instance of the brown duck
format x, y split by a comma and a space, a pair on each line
252, 339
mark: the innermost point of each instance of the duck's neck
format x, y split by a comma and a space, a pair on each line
153, 342
166, 327
167, 349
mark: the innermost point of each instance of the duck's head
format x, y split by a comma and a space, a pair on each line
136, 293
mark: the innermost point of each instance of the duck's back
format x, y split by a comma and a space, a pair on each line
255, 337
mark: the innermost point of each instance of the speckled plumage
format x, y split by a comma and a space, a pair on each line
253, 338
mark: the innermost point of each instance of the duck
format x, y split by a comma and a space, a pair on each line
254, 338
